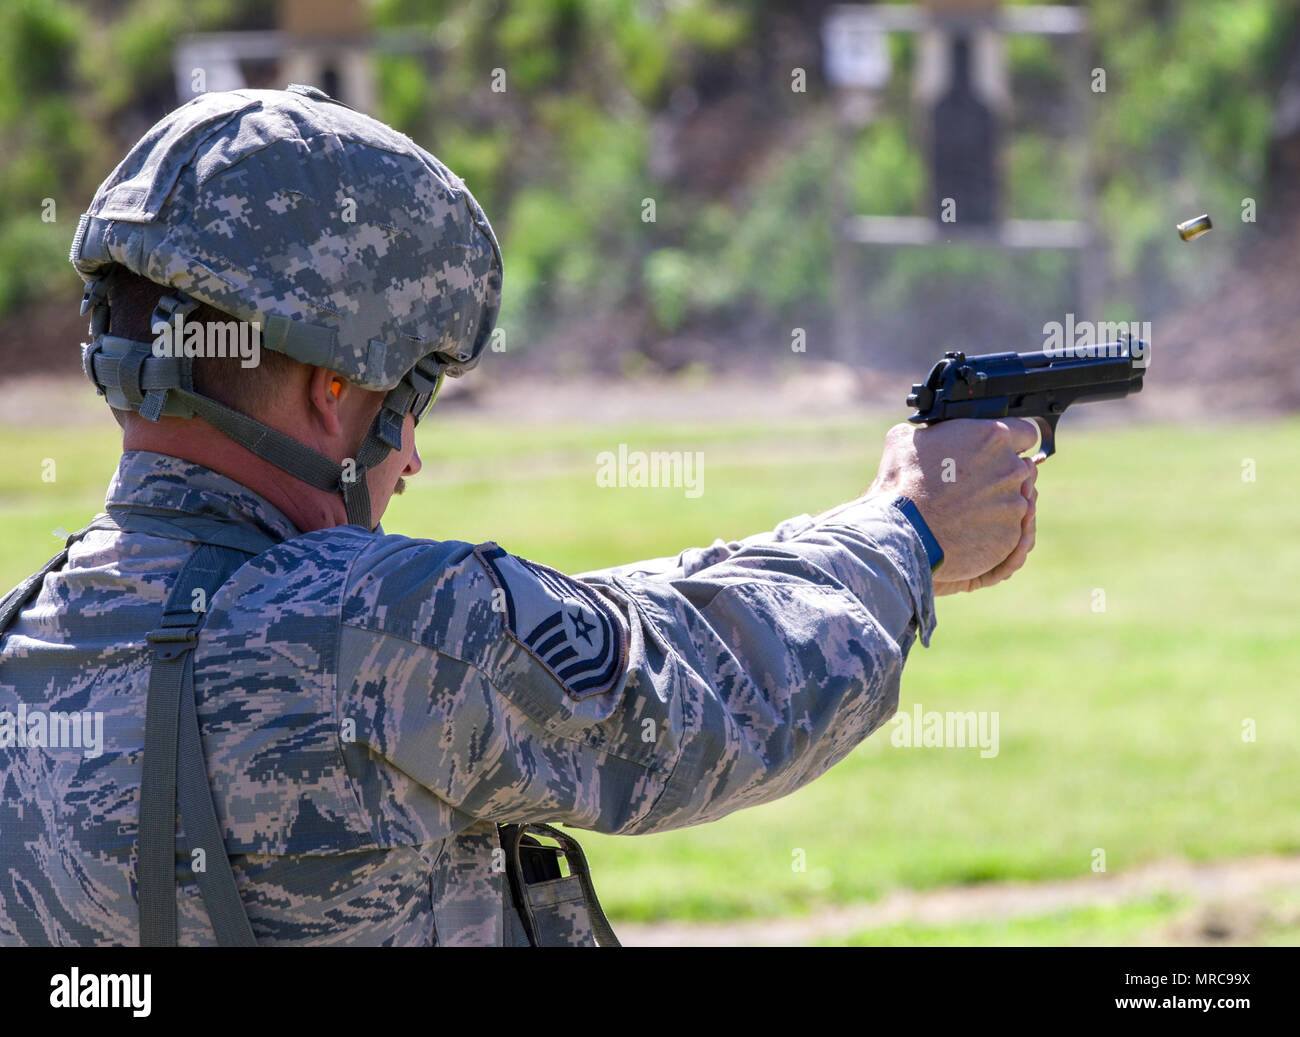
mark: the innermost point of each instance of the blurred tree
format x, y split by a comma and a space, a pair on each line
572, 120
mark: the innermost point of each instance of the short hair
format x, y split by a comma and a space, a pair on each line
250, 390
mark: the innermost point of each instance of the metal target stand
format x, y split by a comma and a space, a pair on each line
857, 66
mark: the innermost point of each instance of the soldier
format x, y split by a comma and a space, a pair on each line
349, 728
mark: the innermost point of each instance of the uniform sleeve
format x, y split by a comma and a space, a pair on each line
693, 559
640, 698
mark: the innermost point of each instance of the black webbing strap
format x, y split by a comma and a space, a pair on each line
515, 841
173, 762
600, 926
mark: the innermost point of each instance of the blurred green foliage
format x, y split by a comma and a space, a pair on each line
611, 104
77, 79
41, 142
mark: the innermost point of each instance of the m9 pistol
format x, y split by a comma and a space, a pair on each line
1038, 386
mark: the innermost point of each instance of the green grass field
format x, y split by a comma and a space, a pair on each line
1160, 920
1101, 926
1120, 730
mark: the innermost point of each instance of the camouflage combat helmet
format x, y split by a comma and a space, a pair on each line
353, 248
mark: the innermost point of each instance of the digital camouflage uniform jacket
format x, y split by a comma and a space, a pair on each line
372, 706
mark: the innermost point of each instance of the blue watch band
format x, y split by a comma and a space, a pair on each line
933, 552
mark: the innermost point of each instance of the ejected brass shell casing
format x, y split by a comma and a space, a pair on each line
1190, 230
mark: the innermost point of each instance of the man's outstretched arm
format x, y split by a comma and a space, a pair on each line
637, 703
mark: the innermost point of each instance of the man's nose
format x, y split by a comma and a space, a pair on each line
414, 465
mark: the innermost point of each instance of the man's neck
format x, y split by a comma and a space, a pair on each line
196, 441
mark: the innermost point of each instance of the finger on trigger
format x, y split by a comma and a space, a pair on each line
1025, 434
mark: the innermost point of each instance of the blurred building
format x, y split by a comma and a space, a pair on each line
323, 43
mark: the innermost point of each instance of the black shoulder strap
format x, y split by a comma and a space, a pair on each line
173, 762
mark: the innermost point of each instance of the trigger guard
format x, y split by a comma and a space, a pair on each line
1046, 439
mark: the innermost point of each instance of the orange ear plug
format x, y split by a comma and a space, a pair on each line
336, 387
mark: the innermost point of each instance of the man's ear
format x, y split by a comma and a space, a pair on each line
325, 391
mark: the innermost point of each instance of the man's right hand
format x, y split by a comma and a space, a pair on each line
974, 490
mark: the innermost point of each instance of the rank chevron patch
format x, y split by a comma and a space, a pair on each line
573, 631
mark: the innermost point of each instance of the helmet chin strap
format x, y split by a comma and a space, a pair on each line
154, 385
315, 469
381, 438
